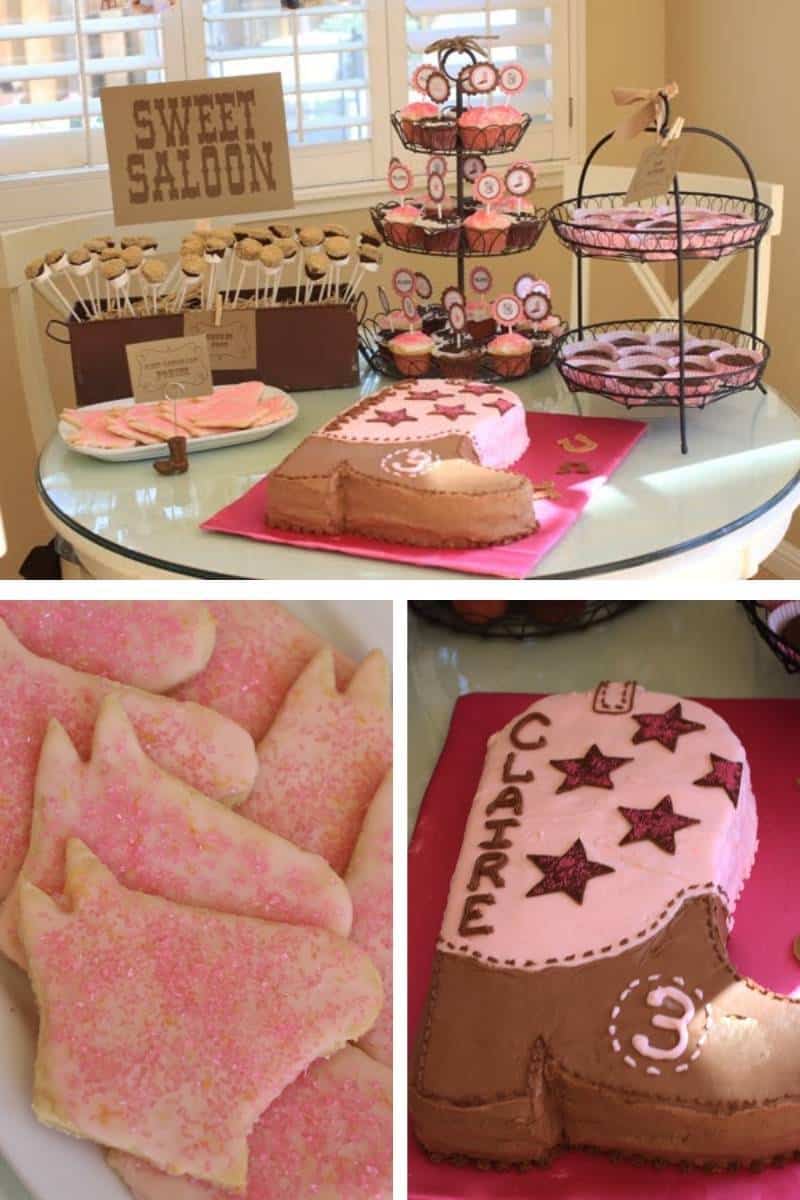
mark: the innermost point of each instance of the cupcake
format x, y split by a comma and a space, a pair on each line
480, 321
441, 237
402, 227
510, 354
487, 231
411, 353
412, 116
457, 362
507, 121
472, 129
437, 133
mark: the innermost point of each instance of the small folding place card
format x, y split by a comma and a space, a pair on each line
231, 336
153, 366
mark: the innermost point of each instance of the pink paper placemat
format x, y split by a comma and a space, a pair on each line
615, 439
767, 921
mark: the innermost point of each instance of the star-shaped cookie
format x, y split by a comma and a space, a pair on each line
568, 872
657, 825
168, 1030
204, 749
323, 758
664, 728
160, 836
594, 769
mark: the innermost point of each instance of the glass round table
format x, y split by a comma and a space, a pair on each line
713, 514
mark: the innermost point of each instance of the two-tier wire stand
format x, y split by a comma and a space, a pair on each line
444, 137
739, 226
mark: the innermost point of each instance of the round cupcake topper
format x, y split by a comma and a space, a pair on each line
384, 299
451, 296
420, 77
482, 77
457, 316
488, 187
403, 281
437, 85
480, 279
512, 78
436, 165
409, 308
524, 285
520, 179
436, 188
536, 306
400, 177
472, 166
507, 310
423, 285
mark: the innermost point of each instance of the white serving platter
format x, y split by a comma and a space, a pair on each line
236, 437
47, 1165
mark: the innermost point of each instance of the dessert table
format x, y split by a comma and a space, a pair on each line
715, 513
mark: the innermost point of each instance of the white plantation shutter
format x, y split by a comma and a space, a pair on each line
528, 32
55, 56
332, 62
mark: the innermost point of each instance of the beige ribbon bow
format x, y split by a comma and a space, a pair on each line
650, 108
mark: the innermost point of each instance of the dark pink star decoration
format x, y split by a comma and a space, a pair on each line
391, 416
479, 389
593, 770
431, 394
501, 404
664, 727
569, 872
724, 774
657, 825
451, 411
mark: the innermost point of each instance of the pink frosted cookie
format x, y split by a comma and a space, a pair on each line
207, 751
166, 1030
160, 836
153, 645
260, 650
328, 1137
323, 758
369, 879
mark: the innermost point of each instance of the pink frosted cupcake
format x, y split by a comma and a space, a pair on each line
507, 122
487, 231
510, 354
413, 115
402, 226
412, 353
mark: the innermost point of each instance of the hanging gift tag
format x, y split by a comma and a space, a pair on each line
512, 78
400, 177
451, 296
409, 308
507, 310
488, 187
436, 189
655, 173
420, 77
383, 299
437, 86
482, 77
480, 279
536, 306
423, 285
436, 165
472, 166
403, 281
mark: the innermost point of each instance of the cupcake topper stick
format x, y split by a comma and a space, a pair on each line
520, 179
436, 192
85, 270
457, 318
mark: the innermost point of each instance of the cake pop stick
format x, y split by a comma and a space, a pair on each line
133, 257
247, 253
115, 274
192, 270
289, 248
154, 274
95, 246
271, 266
58, 264
213, 256
38, 273
82, 267
368, 260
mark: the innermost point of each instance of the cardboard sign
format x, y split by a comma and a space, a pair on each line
155, 365
655, 172
201, 148
232, 343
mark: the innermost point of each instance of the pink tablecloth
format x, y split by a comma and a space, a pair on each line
615, 439
767, 921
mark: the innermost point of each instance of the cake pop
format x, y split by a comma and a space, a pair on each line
154, 274
247, 255
58, 263
38, 273
82, 267
339, 250
315, 269
369, 259
270, 267
192, 270
309, 237
213, 256
115, 274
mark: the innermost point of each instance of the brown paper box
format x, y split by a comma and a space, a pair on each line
200, 148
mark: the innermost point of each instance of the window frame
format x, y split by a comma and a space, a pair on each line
41, 195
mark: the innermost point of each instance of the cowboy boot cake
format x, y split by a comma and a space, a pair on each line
581, 991
421, 462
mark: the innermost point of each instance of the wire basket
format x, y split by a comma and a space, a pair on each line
787, 654
522, 618
736, 224
376, 353
450, 237
443, 135
701, 386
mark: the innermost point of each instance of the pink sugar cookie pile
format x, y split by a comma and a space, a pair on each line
206, 922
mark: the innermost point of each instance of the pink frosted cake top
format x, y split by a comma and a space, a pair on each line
492, 417
596, 814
